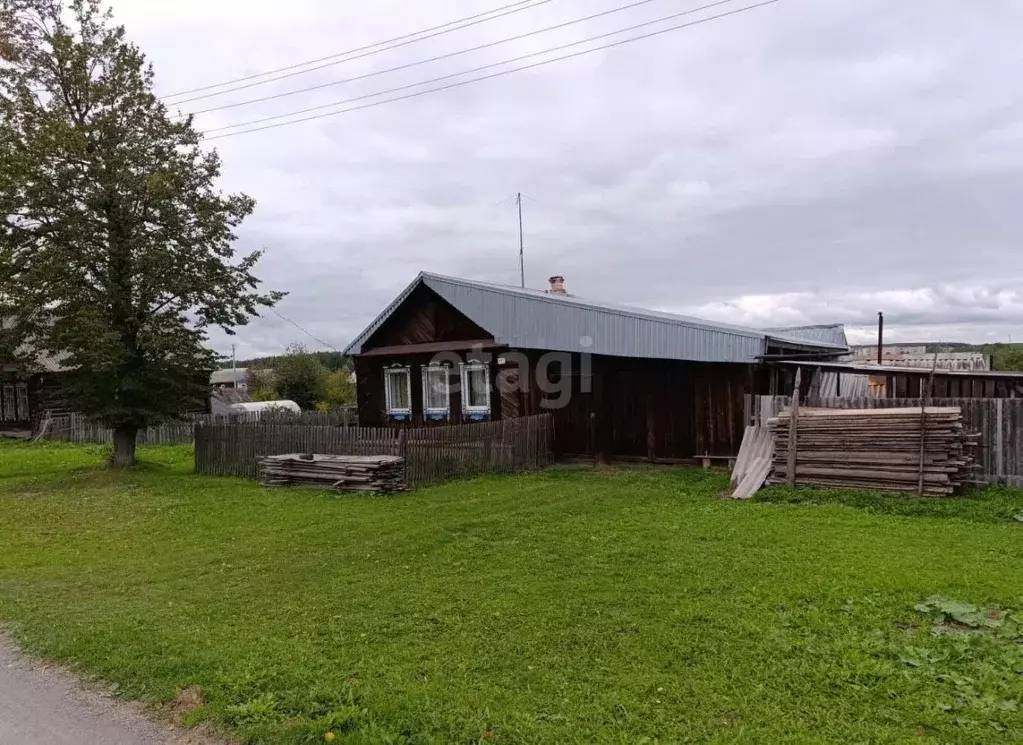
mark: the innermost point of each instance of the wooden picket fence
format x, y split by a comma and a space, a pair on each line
77, 428
998, 420
432, 454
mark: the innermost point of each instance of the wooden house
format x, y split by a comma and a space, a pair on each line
621, 382
27, 393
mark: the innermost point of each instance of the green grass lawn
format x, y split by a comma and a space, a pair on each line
565, 606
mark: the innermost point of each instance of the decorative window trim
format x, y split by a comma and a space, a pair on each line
474, 412
398, 412
433, 412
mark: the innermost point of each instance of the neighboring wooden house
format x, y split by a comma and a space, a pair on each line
621, 382
26, 394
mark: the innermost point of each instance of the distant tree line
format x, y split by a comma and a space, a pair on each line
1005, 356
333, 361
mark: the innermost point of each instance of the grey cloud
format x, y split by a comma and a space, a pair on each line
830, 149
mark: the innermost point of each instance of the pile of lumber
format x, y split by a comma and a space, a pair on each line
910, 450
348, 473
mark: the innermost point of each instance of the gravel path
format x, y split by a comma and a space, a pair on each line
41, 705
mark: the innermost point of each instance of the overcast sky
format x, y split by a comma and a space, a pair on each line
810, 161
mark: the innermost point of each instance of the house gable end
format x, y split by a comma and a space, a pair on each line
424, 317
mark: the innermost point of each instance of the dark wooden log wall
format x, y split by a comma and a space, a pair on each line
611, 407
372, 406
423, 318
43, 395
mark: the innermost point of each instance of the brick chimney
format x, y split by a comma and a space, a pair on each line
557, 285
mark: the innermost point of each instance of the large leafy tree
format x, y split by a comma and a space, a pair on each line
300, 377
116, 251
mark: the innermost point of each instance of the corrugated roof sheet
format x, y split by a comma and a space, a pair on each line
846, 385
833, 333
533, 319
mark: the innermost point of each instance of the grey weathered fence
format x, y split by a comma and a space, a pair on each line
431, 454
998, 420
77, 428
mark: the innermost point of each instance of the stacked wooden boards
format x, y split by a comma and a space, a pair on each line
361, 473
878, 449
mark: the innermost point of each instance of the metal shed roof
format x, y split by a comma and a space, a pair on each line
533, 319
833, 333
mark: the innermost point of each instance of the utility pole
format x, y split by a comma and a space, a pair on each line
234, 369
522, 259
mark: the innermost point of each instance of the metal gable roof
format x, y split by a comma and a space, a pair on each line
533, 319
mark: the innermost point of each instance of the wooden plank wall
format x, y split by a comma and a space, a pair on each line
656, 409
432, 454
998, 420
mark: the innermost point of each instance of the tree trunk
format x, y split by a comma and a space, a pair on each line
124, 447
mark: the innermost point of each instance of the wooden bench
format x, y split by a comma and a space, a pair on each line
707, 460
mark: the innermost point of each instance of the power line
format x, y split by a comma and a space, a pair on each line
480, 68
500, 73
438, 58
366, 51
315, 338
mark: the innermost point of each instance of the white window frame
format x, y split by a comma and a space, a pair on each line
468, 367
389, 405
437, 411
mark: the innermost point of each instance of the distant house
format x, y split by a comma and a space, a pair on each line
620, 382
28, 392
237, 378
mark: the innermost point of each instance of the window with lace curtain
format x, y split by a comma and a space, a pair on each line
398, 392
476, 390
436, 392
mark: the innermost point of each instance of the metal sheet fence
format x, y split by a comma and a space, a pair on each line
998, 420
431, 454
